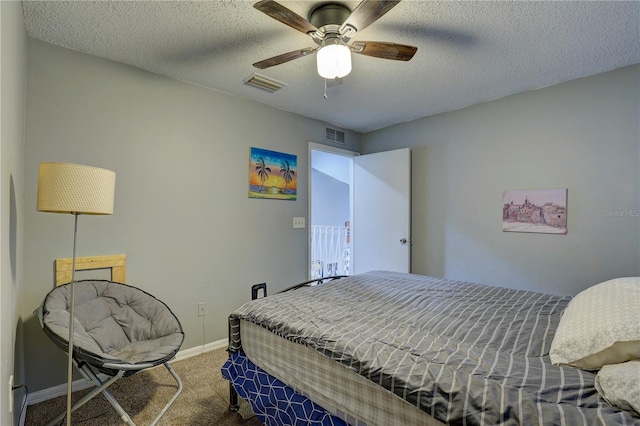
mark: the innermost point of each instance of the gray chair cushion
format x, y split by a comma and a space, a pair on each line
113, 322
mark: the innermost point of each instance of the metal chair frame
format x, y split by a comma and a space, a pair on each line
101, 387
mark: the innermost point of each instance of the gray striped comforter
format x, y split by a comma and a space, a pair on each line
464, 353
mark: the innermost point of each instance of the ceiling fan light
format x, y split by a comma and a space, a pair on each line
334, 61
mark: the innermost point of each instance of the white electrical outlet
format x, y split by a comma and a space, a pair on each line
11, 393
298, 222
202, 309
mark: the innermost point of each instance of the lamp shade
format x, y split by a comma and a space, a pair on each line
334, 61
74, 188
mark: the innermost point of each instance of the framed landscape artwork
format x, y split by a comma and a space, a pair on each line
535, 210
272, 175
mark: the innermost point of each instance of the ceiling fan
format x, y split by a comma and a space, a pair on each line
331, 26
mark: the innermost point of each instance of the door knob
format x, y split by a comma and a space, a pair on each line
403, 241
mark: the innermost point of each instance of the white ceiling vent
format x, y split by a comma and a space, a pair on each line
265, 83
334, 135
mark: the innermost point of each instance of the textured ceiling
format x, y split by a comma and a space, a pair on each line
468, 52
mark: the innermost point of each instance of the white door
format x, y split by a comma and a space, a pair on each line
382, 211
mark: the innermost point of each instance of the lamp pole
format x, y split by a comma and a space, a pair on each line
71, 321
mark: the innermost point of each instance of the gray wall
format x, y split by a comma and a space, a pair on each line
182, 214
330, 200
582, 135
14, 63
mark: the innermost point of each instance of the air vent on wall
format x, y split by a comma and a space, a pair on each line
265, 83
334, 135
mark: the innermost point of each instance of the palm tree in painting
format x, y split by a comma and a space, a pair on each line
263, 171
287, 174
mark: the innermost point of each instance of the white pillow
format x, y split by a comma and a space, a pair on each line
619, 385
600, 326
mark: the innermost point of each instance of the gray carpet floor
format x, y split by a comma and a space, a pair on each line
203, 401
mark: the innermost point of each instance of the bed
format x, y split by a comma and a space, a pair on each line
385, 348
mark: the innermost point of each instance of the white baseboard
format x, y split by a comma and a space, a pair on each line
59, 390
198, 350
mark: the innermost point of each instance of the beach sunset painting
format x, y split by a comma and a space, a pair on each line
273, 175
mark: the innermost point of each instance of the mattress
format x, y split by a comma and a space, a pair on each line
339, 390
460, 352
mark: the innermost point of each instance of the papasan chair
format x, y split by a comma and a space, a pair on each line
119, 330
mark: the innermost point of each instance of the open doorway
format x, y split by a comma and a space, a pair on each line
359, 211
330, 211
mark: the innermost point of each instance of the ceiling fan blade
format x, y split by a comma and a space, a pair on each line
285, 57
286, 16
381, 49
364, 15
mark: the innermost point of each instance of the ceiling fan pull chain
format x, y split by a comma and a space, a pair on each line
325, 89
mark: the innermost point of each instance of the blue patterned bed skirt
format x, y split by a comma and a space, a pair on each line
274, 403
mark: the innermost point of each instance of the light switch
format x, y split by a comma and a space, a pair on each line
298, 222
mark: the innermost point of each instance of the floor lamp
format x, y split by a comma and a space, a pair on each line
74, 189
